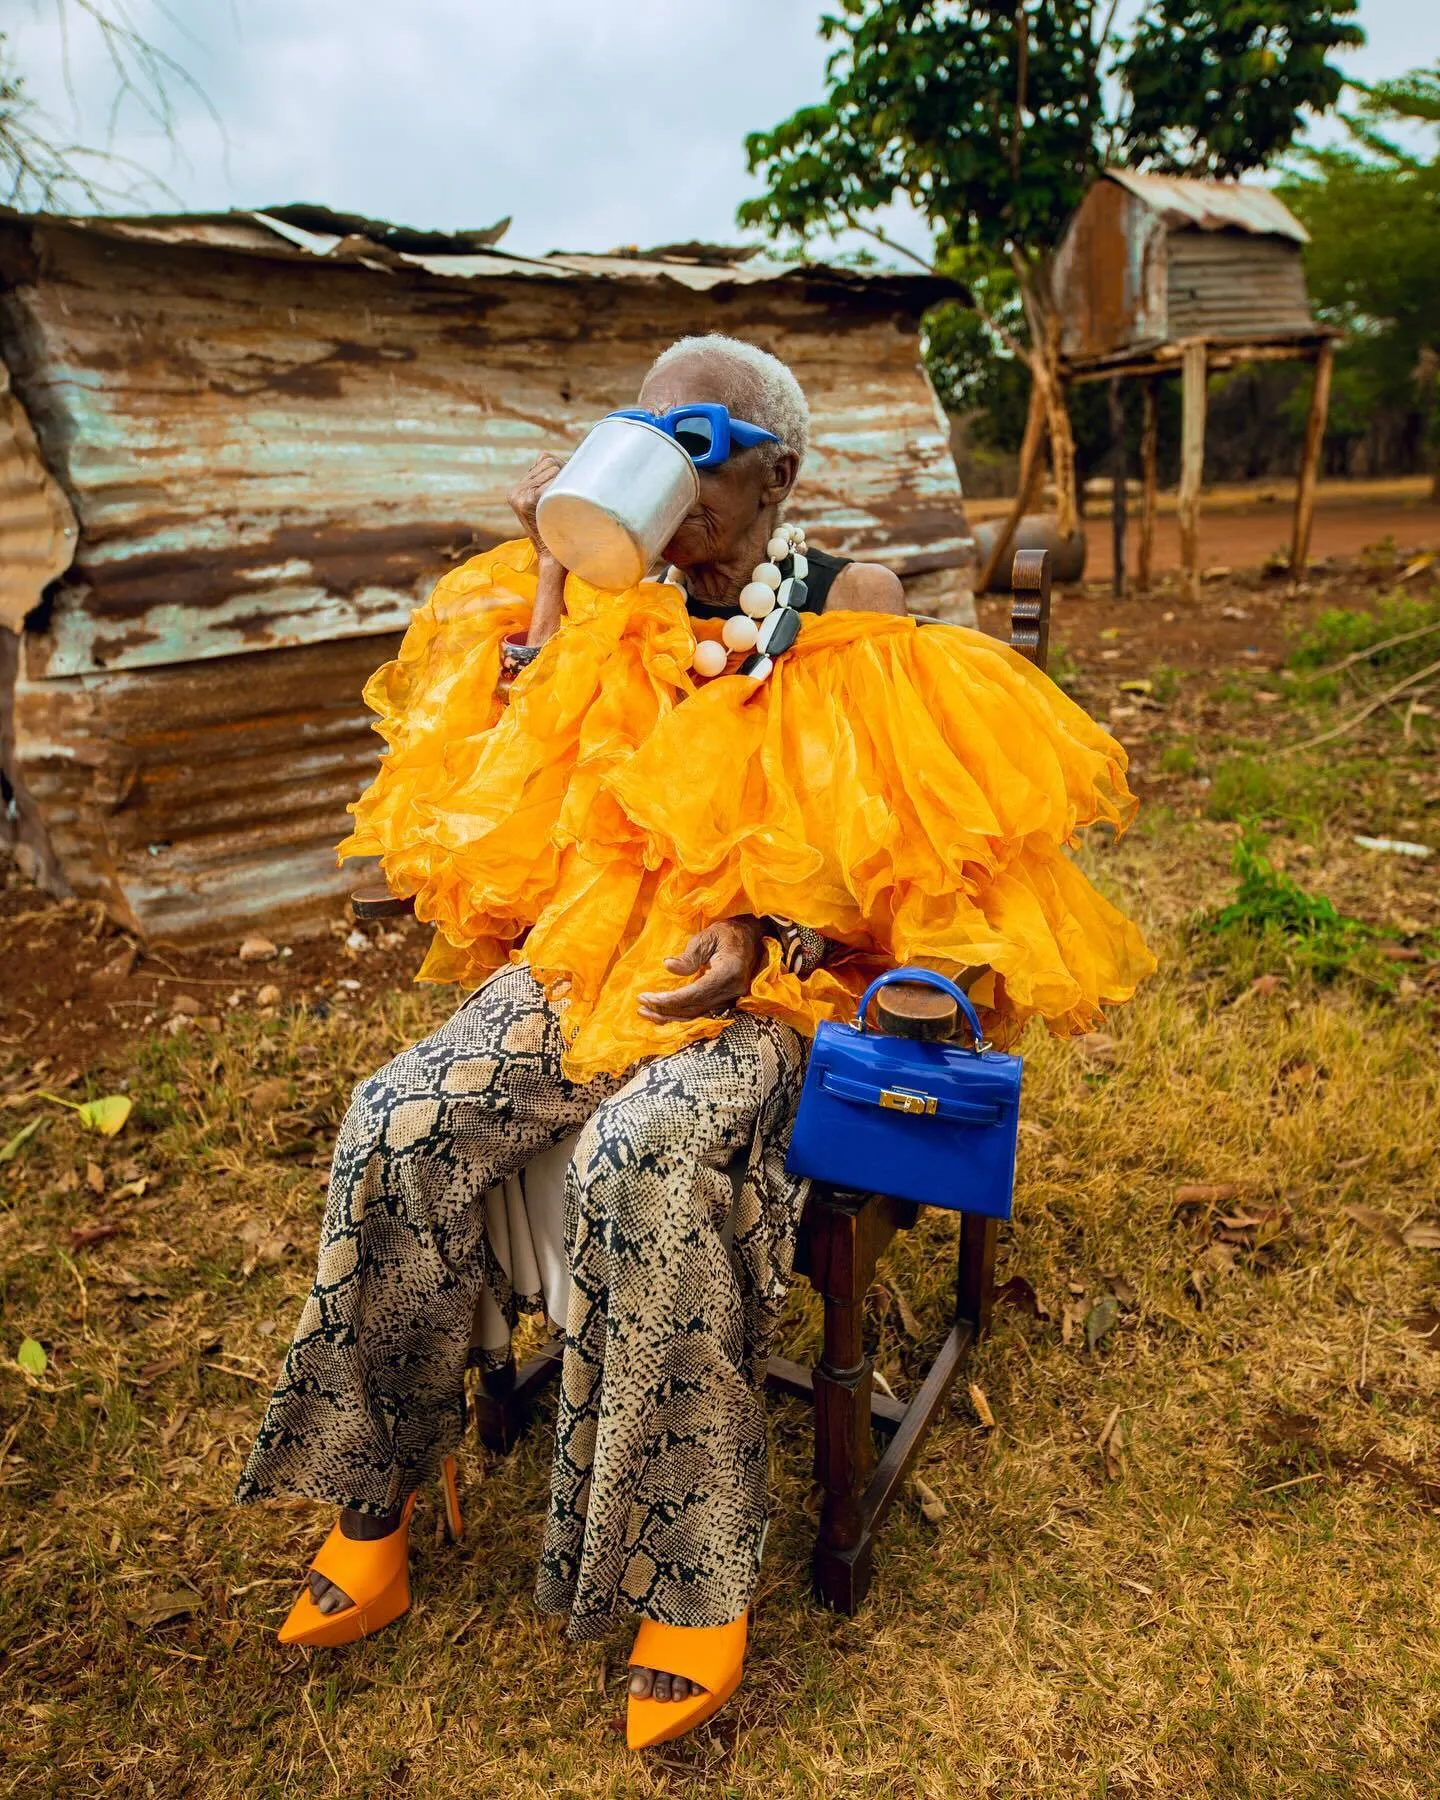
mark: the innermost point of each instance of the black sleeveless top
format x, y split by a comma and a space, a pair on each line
823, 570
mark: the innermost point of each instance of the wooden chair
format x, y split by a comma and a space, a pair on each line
842, 1236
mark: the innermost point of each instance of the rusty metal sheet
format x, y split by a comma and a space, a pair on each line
1224, 284
37, 527
194, 800
1212, 205
264, 455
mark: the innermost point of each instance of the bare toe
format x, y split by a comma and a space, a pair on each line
327, 1597
641, 1683
662, 1685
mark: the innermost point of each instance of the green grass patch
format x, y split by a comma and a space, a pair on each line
1274, 922
1342, 632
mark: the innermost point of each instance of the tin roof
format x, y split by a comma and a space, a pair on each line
288, 232
1212, 205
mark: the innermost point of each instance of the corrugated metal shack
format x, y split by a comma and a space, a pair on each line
1160, 275
1149, 260
237, 450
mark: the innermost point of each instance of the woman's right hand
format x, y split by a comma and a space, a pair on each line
525, 496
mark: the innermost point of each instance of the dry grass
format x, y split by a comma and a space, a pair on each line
1235, 1595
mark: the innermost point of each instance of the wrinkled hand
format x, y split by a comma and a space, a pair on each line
525, 496
727, 953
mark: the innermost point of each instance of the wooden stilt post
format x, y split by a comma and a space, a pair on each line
1032, 464
1117, 486
1192, 464
1149, 445
1310, 460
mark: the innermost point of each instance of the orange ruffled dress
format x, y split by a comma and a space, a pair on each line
907, 792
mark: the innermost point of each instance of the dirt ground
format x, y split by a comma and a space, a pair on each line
1243, 525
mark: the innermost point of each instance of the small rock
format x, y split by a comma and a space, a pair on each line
357, 941
209, 1022
187, 1004
350, 987
257, 949
176, 1023
269, 995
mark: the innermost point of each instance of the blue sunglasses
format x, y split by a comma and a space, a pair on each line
705, 432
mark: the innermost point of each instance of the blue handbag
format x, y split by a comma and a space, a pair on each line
931, 1122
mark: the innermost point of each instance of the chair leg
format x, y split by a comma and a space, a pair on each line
506, 1397
843, 1254
975, 1277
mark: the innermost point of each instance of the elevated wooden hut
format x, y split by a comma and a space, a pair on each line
1158, 275
236, 451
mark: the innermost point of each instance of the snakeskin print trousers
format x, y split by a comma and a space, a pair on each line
658, 1488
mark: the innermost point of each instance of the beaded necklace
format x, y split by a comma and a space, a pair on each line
768, 621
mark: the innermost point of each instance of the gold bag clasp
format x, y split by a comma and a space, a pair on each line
902, 1100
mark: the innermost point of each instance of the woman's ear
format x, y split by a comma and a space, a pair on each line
780, 477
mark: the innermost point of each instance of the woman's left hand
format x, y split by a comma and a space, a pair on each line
727, 952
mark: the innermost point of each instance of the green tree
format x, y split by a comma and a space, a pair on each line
993, 120
1373, 264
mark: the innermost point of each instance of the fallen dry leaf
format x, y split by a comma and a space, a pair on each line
1018, 1292
94, 1178
1426, 1326
1100, 1321
981, 1404
1370, 1218
83, 1236
906, 1311
931, 1505
1424, 1234
161, 1609
1202, 1193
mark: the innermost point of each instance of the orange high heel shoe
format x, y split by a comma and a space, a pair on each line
711, 1655
374, 1572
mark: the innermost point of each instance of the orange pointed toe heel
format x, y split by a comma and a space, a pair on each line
713, 1656
374, 1572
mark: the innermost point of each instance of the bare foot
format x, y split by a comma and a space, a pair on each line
656, 1684
365, 1529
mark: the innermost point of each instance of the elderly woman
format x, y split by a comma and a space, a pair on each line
664, 860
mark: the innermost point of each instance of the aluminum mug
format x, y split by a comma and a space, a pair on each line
617, 502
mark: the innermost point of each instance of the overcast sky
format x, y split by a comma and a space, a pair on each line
592, 122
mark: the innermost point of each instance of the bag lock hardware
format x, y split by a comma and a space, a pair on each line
903, 1100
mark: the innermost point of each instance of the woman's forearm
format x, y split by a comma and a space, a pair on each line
549, 601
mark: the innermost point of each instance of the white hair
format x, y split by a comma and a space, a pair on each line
779, 402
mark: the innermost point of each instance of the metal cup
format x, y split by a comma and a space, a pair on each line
617, 502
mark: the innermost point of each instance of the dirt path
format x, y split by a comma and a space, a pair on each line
1244, 539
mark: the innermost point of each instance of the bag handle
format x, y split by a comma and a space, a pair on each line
925, 978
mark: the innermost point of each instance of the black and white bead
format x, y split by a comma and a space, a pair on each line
768, 621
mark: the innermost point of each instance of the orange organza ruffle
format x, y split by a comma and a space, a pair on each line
908, 792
